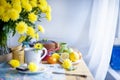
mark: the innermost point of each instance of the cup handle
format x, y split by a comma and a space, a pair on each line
44, 54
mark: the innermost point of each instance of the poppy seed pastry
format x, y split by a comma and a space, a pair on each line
49, 44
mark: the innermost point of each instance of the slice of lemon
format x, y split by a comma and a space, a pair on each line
64, 56
74, 56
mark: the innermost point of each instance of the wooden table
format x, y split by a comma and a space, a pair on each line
81, 69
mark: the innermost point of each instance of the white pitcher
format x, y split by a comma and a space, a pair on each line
32, 55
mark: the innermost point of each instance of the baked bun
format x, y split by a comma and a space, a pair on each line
50, 45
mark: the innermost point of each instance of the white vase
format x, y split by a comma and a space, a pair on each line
35, 56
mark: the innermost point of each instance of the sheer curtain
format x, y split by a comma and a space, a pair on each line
118, 33
101, 36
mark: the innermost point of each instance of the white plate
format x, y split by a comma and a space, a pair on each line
40, 70
76, 62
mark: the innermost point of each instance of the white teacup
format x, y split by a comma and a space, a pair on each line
32, 55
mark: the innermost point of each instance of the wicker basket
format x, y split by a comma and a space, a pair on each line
19, 55
19, 47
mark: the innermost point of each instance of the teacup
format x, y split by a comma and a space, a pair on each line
35, 56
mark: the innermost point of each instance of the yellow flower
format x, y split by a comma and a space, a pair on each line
5, 17
43, 5
23, 2
7, 6
21, 39
43, 2
48, 13
28, 7
21, 27
3, 2
38, 46
17, 7
14, 63
30, 31
32, 35
32, 67
36, 36
48, 9
41, 29
48, 16
32, 17
67, 64
14, 15
1, 10
33, 3
15, 1
42, 8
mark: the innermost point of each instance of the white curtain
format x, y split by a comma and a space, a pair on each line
118, 33
117, 37
101, 36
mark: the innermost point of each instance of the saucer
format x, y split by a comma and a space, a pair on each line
40, 70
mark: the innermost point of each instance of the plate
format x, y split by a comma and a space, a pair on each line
76, 62
40, 70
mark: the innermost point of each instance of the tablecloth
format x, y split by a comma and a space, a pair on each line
8, 73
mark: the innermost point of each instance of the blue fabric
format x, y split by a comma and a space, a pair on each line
115, 58
7, 73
